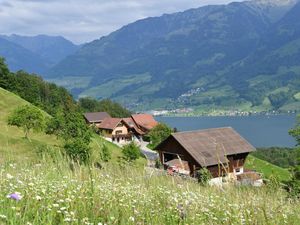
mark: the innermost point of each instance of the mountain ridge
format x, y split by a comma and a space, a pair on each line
43, 51
51, 48
20, 58
202, 57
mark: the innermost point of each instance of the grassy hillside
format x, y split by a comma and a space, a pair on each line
266, 168
16, 148
13, 144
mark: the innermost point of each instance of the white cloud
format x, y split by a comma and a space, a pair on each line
83, 20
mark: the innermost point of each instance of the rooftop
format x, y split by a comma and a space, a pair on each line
96, 117
145, 120
211, 146
110, 123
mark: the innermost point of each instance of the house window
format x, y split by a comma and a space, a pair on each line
118, 132
238, 170
120, 125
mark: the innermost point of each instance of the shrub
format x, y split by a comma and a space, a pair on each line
105, 153
131, 152
204, 176
273, 182
78, 150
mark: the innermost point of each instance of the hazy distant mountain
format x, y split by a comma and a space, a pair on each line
241, 55
19, 58
51, 49
273, 9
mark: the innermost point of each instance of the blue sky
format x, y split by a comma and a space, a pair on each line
83, 20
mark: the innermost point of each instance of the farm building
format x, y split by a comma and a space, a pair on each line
116, 130
145, 122
121, 130
95, 118
221, 150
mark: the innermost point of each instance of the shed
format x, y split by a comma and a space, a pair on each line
220, 150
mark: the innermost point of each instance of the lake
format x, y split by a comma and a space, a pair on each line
260, 131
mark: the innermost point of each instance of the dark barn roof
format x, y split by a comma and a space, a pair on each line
96, 117
211, 146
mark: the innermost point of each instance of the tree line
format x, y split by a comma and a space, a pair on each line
52, 98
64, 114
279, 156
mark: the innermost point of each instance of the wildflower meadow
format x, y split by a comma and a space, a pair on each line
55, 193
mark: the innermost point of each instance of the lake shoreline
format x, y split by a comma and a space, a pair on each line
220, 115
259, 130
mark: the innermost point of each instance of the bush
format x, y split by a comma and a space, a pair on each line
204, 176
131, 152
78, 150
273, 182
293, 188
105, 153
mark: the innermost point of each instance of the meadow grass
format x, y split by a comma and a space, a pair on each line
13, 144
267, 169
54, 192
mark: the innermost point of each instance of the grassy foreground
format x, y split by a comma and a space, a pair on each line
52, 193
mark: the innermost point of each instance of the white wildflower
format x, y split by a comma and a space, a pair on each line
9, 176
2, 216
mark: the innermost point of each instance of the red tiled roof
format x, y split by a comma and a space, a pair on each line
109, 123
130, 122
145, 120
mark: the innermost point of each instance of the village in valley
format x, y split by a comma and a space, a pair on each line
222, 151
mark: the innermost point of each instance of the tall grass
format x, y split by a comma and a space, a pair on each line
56, 191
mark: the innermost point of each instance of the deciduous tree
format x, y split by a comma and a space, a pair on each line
27, 117
159, 133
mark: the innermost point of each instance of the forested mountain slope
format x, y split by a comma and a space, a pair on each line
235, 56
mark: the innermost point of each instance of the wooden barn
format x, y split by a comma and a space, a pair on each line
221, 150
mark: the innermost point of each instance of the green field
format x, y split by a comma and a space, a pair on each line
266, 168
106, 90
13, 144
